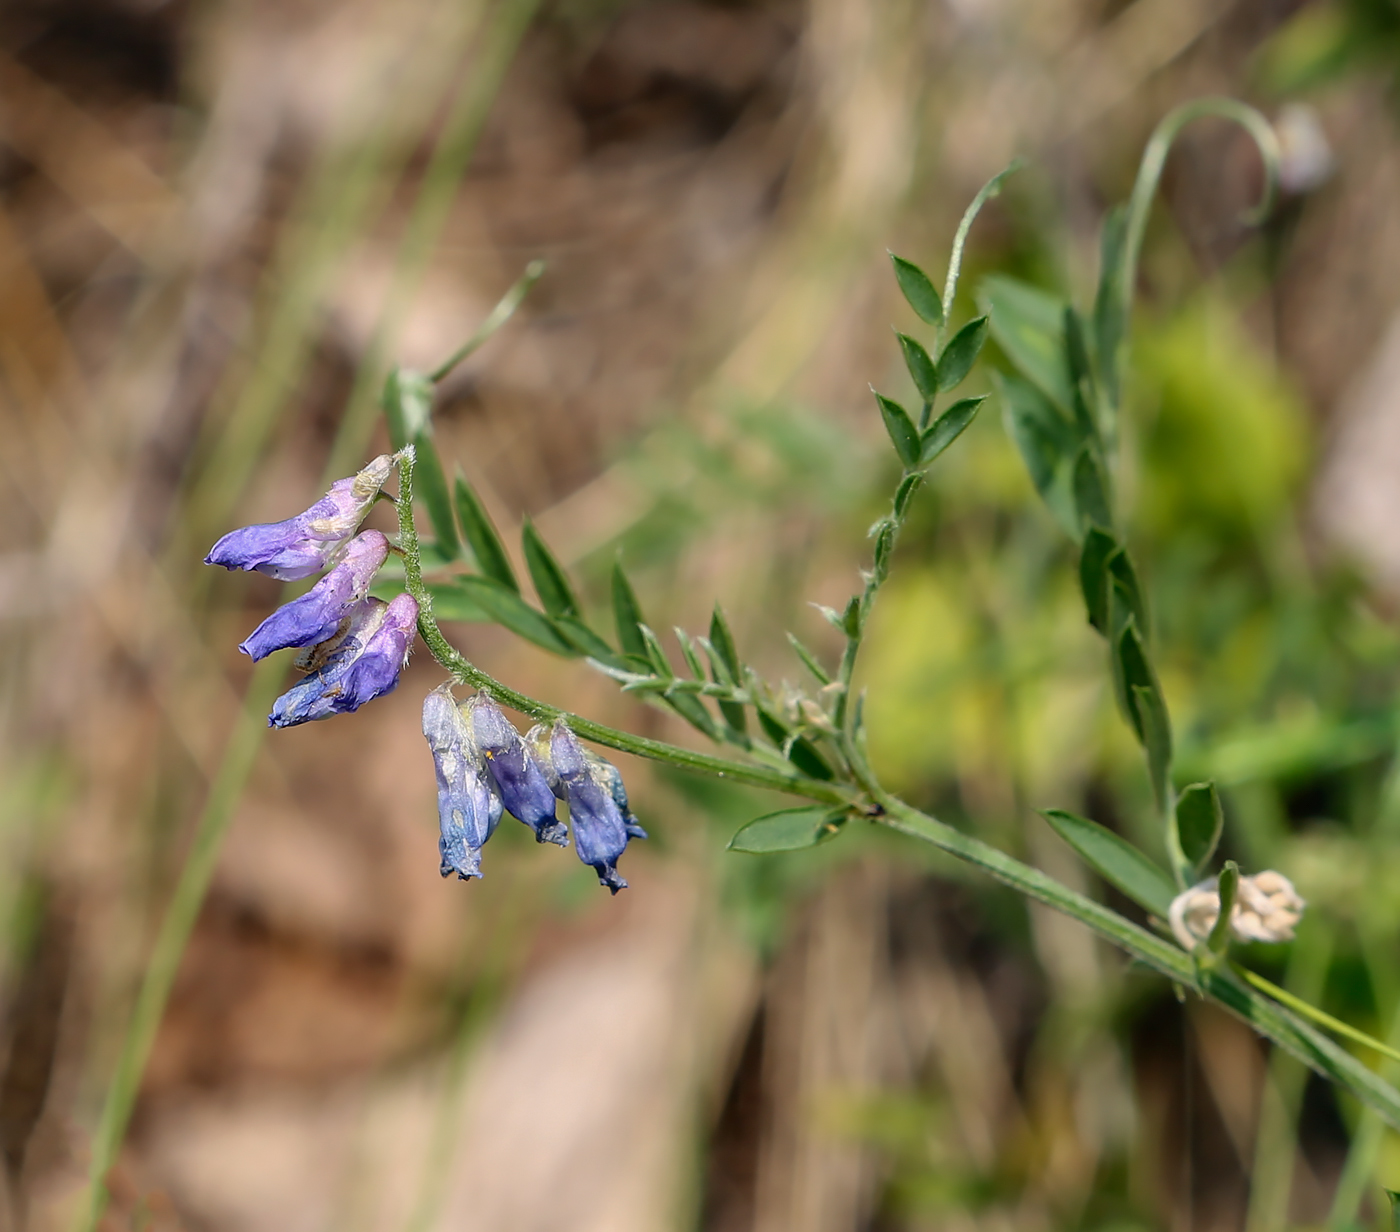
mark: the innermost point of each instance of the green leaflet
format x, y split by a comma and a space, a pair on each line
1116, 860
956, 359
918, 290
482, 537
946, 429
903, 435
787, 830
921, 368
507, 608
551, 582
1199, 821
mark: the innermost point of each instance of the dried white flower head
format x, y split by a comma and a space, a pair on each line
1267, 908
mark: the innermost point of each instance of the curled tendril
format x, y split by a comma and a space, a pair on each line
1154, 159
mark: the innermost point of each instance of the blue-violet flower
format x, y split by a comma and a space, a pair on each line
366, 664
315, 616
517, 775
600, 826
307, 543
468, 806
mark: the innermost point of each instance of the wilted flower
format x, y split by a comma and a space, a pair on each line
317, 615
1267, 908
366, 664
468, 806
591, 786
517, 775
307, 543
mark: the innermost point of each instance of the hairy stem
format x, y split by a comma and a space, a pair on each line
467, 673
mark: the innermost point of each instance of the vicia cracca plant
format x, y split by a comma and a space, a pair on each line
1061, 399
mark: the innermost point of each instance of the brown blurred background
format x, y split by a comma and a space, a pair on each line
220, 221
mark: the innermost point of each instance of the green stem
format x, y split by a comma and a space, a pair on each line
950, 287
1154, 159
1335, 1025
175, 929
467, 673
1220, 985
497, 317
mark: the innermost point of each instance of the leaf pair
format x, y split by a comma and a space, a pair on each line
915, 448
954, 362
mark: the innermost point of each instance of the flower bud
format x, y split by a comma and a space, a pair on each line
307, 543
517, 775
1267, 908
317, 615
373, 651
468, 806
586, 783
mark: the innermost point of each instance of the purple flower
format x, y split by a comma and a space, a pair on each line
307, 543
468, 806
364, 665
317, 615
517, 775
585, 781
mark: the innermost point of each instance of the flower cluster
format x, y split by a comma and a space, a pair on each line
353, 646
1267, 908
486, 768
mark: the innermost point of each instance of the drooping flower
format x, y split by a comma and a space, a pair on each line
317, 615
307, 543
600, 825
1267, 908
516, 773
469, 807
366, 664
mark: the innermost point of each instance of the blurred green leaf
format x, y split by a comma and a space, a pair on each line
627, 613
408, 405
656, 653
901, 429
1156, 738
1090, 484
787, 830
723, 641
957, 358
1199, 822
1028, 324
1048, 444
507, 608
1110, 317
1126, 591
584, 640
1116, 860
1394, 1209
452, 601
481, 535
851, 618
430, 485
918, 290
1227, 884
921, 367
551, 582
692, 659
809, 660
948, 427
1099, 546
903, 494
